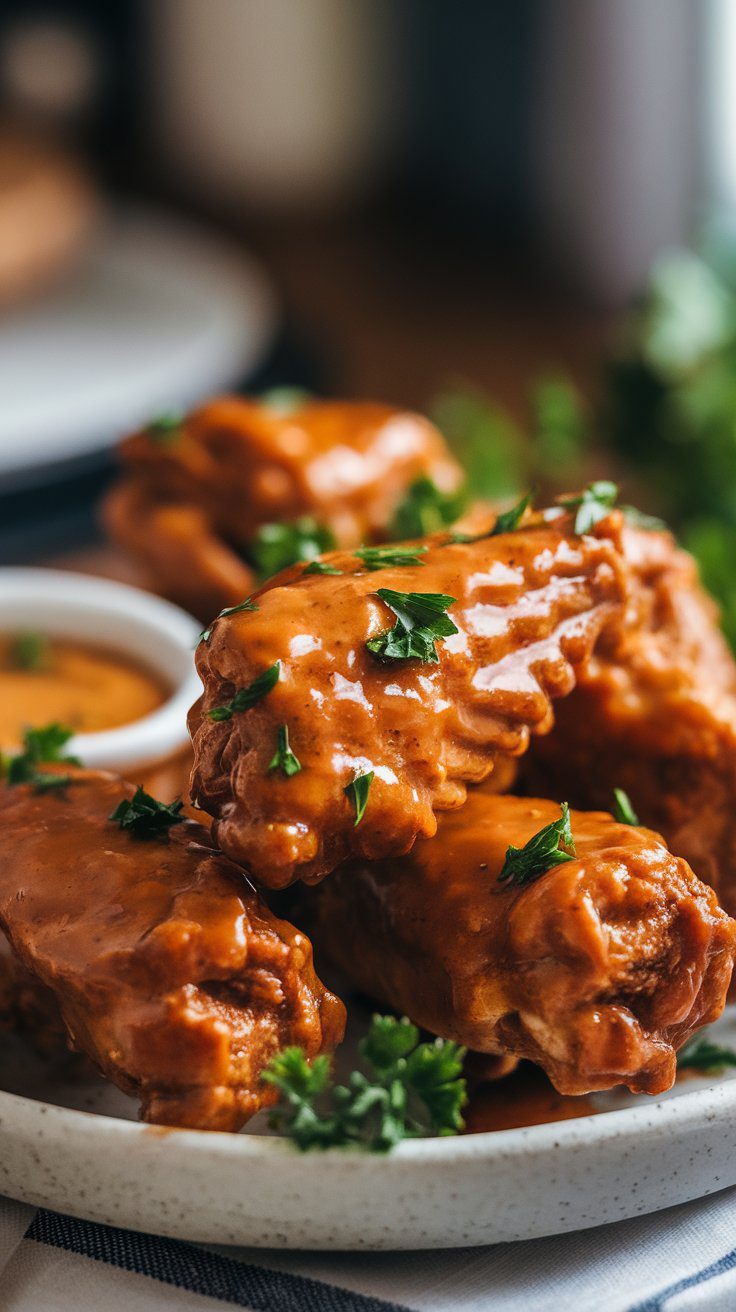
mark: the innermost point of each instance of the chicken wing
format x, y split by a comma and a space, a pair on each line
168, 970
598, 970
308, 681
654, 712
195, 494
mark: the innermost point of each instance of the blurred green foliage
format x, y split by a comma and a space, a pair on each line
667, 408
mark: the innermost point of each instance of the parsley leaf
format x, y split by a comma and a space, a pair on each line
699, 1054
247, 697
425, 509
375, 558
509, 520
550, 847
206, 634
276, 546
411, 1089
622, 808
638, 519
357, 791
165, 430
42, 746
285, 400
593, 504
283, 758
320, 567
421, 621
144, 817
28, 651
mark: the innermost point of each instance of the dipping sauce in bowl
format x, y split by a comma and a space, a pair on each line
110, 662
84, 686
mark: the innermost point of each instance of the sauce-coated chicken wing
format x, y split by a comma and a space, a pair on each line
598, 970
654, 712
195, 493
168, 969
304, 692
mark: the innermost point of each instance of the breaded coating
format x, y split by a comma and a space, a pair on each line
654, 712
193, 496
169, 971
529, 607
598, 970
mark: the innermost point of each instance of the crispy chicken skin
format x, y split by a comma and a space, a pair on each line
188, 506
654, 712
169, 971
598, 970
529, 608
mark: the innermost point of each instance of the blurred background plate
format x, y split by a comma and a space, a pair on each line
158, 314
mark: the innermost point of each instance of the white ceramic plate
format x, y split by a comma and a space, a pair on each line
158, 314
73, 1147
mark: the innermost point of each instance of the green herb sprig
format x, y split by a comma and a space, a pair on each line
145, 818
411, 1089
421, 622
699, 1054
246, 605
28, 651
166, 429
42, 746
426, 509
592, 505
623, 811
549, 847
276, 546
391, 557
247, 697
320, 567
283, 758
357, 791
509, 520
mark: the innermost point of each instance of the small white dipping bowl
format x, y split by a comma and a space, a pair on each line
113, 616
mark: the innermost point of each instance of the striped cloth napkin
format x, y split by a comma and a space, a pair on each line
681, 1260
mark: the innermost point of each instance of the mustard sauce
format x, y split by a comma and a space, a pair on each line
84, 687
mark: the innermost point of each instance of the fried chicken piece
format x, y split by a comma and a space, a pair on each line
654, 712
598, 970
27, 1005
193, 497
168, 969
529, 608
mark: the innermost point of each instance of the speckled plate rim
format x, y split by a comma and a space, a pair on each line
258, 1191
679, 1110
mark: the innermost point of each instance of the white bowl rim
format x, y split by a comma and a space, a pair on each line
154, 737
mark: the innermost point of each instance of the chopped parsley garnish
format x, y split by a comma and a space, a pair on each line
320, 567
638, 519
145, 818
375, 558
592, 505
425, 509
411, 1089
509, 520
28, 651
165, 429
550, 847
42, 746
285, 400
699, 1054
357, 791
247, 697
283, 758
276, 546
206, 634
421, 621
622, 808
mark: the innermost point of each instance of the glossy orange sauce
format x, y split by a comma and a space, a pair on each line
85, 687
524, 1098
